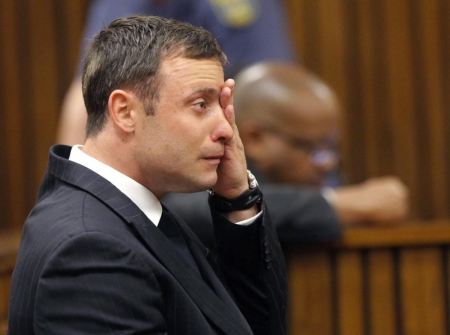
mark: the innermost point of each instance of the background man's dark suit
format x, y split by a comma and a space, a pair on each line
127, 273
300, 215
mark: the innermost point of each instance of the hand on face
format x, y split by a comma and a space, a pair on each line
232, 170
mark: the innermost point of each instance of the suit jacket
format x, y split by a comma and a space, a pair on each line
90, 262
300, 215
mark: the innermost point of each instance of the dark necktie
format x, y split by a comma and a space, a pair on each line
170, 228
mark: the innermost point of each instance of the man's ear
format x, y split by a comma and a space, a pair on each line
122, 109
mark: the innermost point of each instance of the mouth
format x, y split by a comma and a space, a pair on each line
215, 159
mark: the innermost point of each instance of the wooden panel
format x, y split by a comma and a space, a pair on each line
366, 16
333, 49
296, 16
44, 82
444, 30
306, 32
5, 284
38, 46
310, 293
350, 293
12, 189
400, 97
352, 130
70, 22
381, 285
429, 89
422, 287
370, 118
413, 233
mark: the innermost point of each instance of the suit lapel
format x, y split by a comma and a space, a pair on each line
206, 265
221, 311
225, 316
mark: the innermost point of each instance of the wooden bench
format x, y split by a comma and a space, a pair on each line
377, 281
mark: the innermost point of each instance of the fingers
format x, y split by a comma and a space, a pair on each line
226, 95
392, 197
226, 101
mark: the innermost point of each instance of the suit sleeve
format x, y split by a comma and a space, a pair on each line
252, 262
301, 215
95, 284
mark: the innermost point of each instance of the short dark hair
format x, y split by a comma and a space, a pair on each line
128, 54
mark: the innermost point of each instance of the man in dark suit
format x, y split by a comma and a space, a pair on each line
99, 253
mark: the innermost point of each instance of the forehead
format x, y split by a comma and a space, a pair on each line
180, 74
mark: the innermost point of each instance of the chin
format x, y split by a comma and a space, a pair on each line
201, 183
207, 186
209, 179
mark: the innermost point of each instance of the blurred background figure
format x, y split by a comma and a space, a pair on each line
248, 31
289, 122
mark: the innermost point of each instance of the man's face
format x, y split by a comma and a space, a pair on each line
180, 146
302, 149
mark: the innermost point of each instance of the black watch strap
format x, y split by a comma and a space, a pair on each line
245, 200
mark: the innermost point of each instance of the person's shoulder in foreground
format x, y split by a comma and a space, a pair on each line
99, 253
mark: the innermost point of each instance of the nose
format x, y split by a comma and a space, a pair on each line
223, 131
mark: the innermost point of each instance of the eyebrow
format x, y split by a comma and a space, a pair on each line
212, 92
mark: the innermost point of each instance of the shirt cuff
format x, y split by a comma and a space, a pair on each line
248, 222
329, 194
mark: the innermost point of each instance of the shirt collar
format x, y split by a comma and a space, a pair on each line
139, 194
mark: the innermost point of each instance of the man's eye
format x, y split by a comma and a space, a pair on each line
201, 104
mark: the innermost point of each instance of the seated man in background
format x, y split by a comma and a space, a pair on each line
288, 121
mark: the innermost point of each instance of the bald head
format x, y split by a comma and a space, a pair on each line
275, 92
289, 101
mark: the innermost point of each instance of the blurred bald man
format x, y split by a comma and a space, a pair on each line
288, 119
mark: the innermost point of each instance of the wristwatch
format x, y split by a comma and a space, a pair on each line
245, 200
